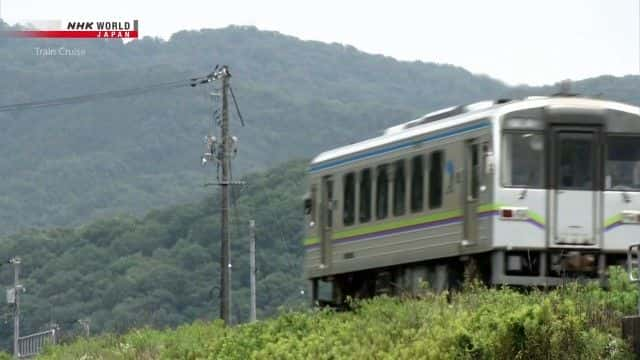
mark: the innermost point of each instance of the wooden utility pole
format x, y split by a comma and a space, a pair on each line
252, 268
225, 246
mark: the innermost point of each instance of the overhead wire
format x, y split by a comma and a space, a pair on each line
106, 94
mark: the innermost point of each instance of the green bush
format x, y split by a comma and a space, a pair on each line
572, 322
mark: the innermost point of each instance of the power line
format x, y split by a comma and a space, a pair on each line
108, 94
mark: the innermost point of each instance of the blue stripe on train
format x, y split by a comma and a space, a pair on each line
400, 146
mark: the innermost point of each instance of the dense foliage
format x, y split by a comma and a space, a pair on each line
161, 270
574, 322
66, 165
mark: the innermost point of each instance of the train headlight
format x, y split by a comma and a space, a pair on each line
521, 214
514, 213
630, 216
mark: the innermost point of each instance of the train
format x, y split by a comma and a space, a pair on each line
524, 192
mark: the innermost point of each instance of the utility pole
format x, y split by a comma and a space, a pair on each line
225, 246
15, 261
222, 153
252, 268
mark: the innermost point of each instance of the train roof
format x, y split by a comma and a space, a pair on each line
458, 115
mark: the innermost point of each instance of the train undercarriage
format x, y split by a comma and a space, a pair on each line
519, 268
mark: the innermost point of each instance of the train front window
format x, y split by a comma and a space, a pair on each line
623, 163
575, 165
523, 159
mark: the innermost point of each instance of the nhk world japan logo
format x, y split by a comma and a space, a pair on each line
101, 29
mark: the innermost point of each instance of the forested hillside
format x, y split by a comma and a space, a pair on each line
162, 269
66, 165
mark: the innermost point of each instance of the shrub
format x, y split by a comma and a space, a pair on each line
572, 322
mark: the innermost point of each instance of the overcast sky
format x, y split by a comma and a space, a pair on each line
532, 42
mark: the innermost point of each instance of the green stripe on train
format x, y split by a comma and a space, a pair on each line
363, 230
311, 241
612, 220
445, 215
535, 217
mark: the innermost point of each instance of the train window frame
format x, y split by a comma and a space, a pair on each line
349, 204
328, 194
399, 206
416, 205
436, 188
382, 212
475, 167
364, 209
543, 168
607, 144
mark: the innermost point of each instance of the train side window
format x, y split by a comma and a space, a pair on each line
475, 171
349, 199
399, 189
417, 183
435, 179
382, 193
328, 188
314, 201
309, 203
365, 196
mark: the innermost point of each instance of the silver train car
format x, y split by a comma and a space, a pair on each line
522, 192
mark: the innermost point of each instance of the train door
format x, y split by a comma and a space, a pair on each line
326, 220
576, 175
472, 184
